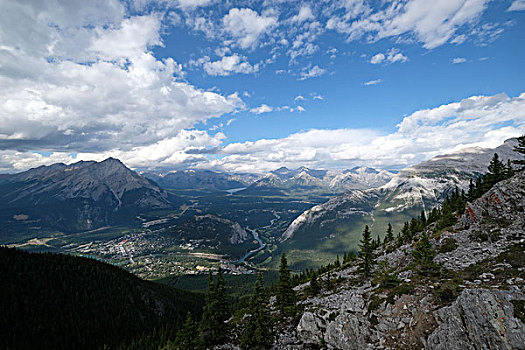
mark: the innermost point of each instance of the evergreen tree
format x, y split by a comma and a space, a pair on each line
414, 227
496, 170
187, 336
447, 217
223, 305
314, 287
471, 194
366, 252
509, 170
258, 333
405, 232
424, 256
285, 294
520, 148
479, 188
348, 257
423, 219
212, 328
434, 215
389, 234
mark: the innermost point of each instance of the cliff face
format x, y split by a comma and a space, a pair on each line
474, 303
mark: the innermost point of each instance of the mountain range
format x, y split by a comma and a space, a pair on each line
90, 195
79, 196
278, 181
284, 180
339, 221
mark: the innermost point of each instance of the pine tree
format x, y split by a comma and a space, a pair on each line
223, 305
415, 227
405, 232
207, 324
348, 257
285, 294
389, 234
479, 187
258, 333
496, 170
520, 148
509, 170
187, 336
447, 217
212, 328
471, 194
366, 252
314, 287
423, 219
337, 262
424, 256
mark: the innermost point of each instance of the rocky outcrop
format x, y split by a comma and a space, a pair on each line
489, 225
479, 319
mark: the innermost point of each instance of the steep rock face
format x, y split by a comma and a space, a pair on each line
83, 195
479, 319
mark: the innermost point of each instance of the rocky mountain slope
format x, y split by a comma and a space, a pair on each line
79, 196
417, 188
476, 300
198, 180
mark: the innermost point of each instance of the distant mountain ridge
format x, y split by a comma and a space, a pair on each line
275, 182
283, 179
191, 179
79, 196
420, 187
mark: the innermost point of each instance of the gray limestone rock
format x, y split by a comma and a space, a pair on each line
479, 319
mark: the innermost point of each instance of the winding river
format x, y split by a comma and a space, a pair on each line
262, 245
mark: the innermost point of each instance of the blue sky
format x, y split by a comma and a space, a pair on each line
254, 85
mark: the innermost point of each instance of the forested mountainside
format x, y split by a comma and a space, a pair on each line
79, 196
55, 301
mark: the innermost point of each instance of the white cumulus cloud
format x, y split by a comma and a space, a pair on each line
246, 26
517, 5
391, 56
261, 109
312, 72
484, 121
458, 60
80, 78
230, 64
